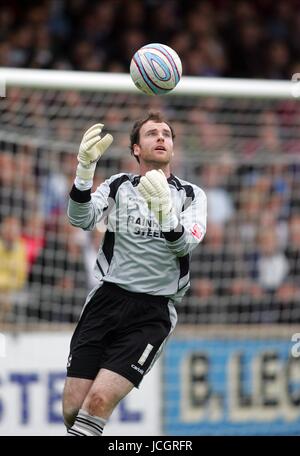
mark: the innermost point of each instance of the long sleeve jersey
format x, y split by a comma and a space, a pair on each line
135, 254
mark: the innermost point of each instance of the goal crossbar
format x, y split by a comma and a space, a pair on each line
117, 82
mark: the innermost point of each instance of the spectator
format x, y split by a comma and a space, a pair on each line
278, 60
59, 277
269, 264
218, 263
13, 264
53, 197
293, 248
219, 200
34, 238
18, 194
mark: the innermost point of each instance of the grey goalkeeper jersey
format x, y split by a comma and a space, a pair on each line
135, 254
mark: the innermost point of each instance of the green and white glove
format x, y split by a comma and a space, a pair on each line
155, 189
91, 148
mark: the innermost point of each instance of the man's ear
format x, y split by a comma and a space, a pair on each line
136, 150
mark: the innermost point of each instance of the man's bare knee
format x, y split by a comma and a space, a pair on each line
106, 392
75, 391
98, 404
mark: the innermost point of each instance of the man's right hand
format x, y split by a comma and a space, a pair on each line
91, 148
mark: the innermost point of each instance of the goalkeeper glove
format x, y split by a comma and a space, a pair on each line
91, 148
155, 189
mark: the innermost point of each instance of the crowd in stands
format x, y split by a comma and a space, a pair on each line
247, 269
254, 39
46, 264
244, 155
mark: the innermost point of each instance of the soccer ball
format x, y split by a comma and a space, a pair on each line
155, 69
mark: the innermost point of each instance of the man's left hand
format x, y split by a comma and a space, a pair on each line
155, 190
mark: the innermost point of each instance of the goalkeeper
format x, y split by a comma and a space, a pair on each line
154, 221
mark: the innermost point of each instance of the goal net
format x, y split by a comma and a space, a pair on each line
240, 142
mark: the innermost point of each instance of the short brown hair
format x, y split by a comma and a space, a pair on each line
135, 132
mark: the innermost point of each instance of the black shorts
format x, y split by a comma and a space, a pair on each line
121, 331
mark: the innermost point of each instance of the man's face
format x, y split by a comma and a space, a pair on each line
156, 143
